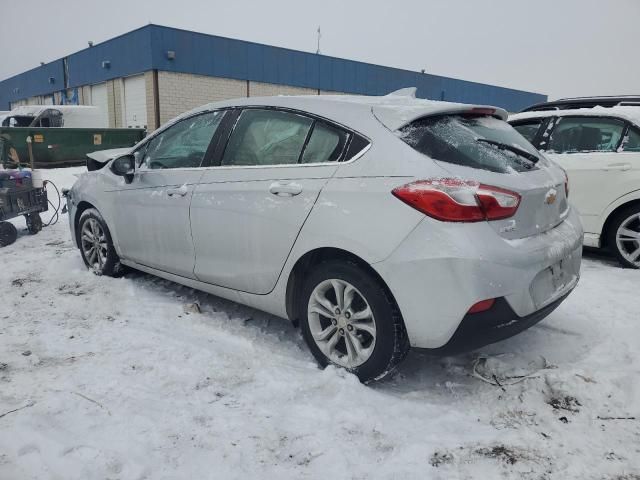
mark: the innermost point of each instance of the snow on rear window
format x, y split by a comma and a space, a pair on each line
479, 142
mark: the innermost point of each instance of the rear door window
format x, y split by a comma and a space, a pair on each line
586, 134
267, 137
325, 144
480, 142
356, 145
632, 142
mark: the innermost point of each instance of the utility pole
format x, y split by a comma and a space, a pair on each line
319, 35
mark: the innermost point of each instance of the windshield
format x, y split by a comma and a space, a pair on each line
19, 120
473, 141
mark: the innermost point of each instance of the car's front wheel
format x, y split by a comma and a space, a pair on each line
349, 320
96, 245
624, 236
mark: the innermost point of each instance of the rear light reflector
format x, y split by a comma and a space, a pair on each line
482, 306
456, 200
566, 184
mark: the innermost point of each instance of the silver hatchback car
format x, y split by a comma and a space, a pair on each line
375, 223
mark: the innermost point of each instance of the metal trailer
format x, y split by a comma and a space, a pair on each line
18, 197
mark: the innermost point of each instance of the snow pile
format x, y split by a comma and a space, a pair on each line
126, 379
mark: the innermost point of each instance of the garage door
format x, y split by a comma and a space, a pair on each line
99, 99
135, 102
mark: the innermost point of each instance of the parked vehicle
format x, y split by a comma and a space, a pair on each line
61, 135
600, 150
585, 102
376, 223
54, 116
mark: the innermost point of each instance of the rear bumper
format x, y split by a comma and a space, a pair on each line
442, 269
498, 323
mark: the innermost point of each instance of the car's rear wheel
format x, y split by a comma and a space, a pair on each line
349, 320
624, 236
96, 245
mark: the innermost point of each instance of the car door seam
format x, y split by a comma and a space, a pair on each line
193, 243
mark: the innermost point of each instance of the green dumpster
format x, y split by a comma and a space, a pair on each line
56, 147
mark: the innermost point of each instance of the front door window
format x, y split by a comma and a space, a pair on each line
182, 145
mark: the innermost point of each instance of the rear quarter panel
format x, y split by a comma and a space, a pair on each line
356, 210
359, 215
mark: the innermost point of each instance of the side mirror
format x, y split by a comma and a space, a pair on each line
124, 166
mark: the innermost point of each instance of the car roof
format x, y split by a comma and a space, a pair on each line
584, 102
38, 109
631, 114
394, 110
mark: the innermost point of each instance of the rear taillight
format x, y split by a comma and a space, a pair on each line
456, 200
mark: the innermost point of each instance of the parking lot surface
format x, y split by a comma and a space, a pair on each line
125, 379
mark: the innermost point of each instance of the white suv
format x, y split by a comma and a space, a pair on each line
599, 148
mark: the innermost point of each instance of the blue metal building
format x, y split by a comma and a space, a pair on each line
154, 48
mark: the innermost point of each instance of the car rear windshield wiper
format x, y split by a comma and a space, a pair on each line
518, 151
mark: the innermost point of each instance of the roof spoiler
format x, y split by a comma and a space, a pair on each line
408, 92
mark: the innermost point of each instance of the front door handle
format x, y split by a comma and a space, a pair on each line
285, 189
180, 191
618, 166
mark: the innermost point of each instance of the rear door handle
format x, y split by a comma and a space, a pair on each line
180, 191
618, 166
285, 189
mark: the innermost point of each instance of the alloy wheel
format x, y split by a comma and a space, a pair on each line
94, 244
628, 239
341, 323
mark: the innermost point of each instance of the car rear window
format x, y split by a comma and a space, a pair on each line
480, 142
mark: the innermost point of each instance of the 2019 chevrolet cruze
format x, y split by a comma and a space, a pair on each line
376, 223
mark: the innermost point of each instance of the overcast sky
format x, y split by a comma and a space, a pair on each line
557, 47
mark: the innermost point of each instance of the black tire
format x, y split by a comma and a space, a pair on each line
620, 218
8, 234
391, 343
111, 266
34, 222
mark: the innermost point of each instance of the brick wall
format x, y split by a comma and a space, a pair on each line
329, 92
151, 107
180, 92
259, 89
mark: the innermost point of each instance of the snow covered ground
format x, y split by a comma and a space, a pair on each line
105, 378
